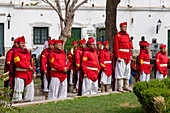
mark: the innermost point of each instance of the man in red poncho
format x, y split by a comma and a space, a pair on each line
141, 42
8, 60
23, 73
72, 71
138, 61
161, 63
90, 67
122, 50
78, 57
145, 65
106, 67
44, 66
99, 47
58, 72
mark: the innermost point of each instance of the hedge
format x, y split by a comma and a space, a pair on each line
154, 95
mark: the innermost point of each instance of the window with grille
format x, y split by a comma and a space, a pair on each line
100, 34
168, 42
40, 35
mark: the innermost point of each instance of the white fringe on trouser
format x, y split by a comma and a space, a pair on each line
105, 79
19, 90
45, 83
57, 90
160, 76
89, 87
71, 77
78, 75
144, 77
122, 70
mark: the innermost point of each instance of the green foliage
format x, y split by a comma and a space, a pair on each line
1, 82
32, 4
68, 44
37, 81
147, 91
6, 101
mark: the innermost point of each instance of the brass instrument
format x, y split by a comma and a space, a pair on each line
7, 78
5, 75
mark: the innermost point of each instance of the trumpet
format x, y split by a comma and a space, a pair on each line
7, 78
5, 75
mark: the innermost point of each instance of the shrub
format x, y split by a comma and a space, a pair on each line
6, 101
152, 93
68, 44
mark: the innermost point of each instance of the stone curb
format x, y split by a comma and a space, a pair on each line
26, 104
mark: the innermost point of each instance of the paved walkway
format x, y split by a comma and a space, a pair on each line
41, 99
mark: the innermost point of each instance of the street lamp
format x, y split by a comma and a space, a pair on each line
9, 19
158, 26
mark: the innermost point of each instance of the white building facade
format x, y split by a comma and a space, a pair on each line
36, 23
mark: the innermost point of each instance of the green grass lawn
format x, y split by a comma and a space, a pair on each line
112, 103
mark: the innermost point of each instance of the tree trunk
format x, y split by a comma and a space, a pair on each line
66, 32
111, 16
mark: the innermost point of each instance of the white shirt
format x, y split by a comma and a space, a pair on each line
45, 45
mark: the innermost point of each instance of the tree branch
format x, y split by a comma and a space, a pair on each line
59, 13
59, 10
65, 1
73, 4
67, 9
85, 1
45, 1
62, 26
58, 6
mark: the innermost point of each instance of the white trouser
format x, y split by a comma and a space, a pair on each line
71, 77
144, 77
89, 87
57, 90
105, 79
45, 83
160, 76
122, 70
19, 89
78, 75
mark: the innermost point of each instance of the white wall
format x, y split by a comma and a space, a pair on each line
23, 21
90, 2
144, 25
145, 3
136, 3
